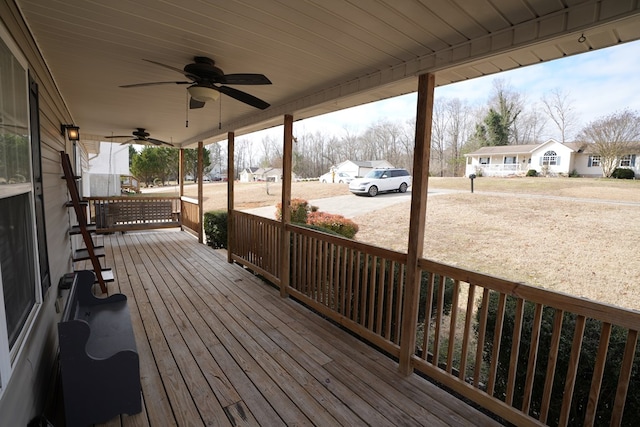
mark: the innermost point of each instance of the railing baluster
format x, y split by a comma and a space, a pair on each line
515, 350
364, 290
372, 292
427, 315
452, 325
598, 371
348, 301
358, 258
572, 370
482, 329
439, 316
388, 310
624, 378
464, 351
551, 364
399, 297
497, 339
381, 296
533, 358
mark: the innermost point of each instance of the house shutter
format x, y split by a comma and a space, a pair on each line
590, 161
558, 161
540, 161
633, 160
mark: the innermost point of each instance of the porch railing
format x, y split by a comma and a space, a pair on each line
190, 214
257, 244
128, 213
529, 355
500, 169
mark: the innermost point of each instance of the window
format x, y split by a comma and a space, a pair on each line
625, 161
20, 292
484, 160
550, 158
594, 161
510, 160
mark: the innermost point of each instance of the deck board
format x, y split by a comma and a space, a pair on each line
218, 346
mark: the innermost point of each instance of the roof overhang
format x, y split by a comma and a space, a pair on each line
321, 57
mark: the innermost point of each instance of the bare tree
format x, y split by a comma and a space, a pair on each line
613, 137
439, 134
458, 132
558, 105
531, 125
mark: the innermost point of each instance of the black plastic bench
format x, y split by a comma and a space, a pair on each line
99, 361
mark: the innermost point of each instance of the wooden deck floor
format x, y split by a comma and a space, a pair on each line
218, 347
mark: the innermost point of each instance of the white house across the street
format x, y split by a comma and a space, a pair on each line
356, 168
549, 158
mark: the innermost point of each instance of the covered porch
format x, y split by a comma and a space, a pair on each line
219, 346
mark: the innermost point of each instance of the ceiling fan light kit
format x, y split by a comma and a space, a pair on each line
203, 93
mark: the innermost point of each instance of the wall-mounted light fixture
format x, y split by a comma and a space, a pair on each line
72, 131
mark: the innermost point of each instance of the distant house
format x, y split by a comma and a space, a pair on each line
248, 174
360, 168
261, 174
551, 157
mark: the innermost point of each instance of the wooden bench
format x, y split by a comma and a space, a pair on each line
99, 362
135, 214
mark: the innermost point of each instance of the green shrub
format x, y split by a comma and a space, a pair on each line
215, 228
300, 208
321, 229
532, 172
623, 173
574, 174
337, 223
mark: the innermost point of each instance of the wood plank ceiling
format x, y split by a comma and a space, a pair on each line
321, 55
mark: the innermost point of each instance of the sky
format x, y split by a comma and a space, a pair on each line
599, 83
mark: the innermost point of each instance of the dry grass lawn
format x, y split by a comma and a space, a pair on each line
585, 249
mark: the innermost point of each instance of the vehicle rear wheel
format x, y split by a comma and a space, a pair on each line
403, 187
373, 191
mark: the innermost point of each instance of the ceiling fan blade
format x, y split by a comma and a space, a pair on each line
158, 142
127, 142
118, 136
155, 84
194, 103
165, 66
246, 79
244, 97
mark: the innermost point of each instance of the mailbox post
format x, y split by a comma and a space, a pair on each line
472, 177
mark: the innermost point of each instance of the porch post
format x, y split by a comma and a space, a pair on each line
286, 202
421, 154
180, 181
200, 197
230, 175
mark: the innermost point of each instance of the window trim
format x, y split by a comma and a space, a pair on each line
625, 159
549, 158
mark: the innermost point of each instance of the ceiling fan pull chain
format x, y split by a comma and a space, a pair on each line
187, 108
220, 115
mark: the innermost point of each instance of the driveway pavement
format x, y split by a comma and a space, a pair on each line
348, 206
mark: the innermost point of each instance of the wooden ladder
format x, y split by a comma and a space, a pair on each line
90, 251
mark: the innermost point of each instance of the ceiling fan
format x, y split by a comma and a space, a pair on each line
140, 136
207, 82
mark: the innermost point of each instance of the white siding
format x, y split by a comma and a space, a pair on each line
563, 152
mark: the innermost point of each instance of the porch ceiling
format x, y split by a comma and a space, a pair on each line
321, 55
